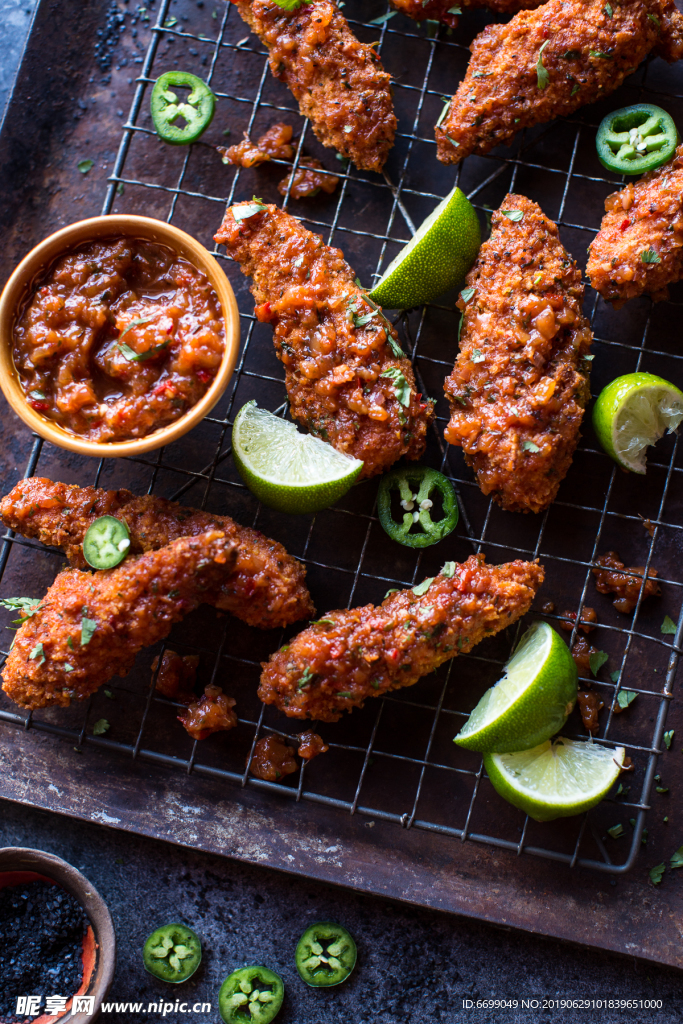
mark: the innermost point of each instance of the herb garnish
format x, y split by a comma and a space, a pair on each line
668, 626
615, 831
478, 357
100, 727
400, 385
85, 165
28, 606
542, 76
657, 873
650, 256
529, 446
423, 587
466, 294
139, 357
625, 697
598, 53
245, 210
88, 627
677, 859
442, 116
515, 215
448, 570
597, 660
291, 5
383, 18
306, 677
668, 738
37, 654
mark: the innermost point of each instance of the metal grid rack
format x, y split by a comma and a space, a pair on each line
426, 783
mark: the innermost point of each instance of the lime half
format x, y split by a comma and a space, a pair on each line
632, 413
531, 702
287, 470
436, 258
555, 779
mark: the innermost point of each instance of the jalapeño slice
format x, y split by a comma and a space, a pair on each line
636, 139
172, 953
166, 108
417, 487
325, 955
106, 542
251, 995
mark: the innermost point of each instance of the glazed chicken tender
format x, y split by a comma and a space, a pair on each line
639, 248
547, 63
348, 656
338, 81
347, 379
266, 589
89, 628
520, 383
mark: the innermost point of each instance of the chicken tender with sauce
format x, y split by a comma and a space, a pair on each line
347, 379
639, 248
338, 81
266, 589
89, 627
547, 63
520, 383
350, 655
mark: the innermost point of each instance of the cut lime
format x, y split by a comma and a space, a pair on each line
557, 778
288, 471
531, 702
632, 413
436, 258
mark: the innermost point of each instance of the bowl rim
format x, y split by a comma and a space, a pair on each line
21, 858
70, 237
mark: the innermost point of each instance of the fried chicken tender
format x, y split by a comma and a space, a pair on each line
90, 627
643, 222
547, 63
346, 376
338, 81
520, 383
335, 664
266, 589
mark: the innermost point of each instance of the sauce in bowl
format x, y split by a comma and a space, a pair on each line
119, 338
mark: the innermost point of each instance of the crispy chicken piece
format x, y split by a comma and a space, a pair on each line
639, 248
90, 627
520, 382
613, 577
175, 677
273, 144
335, 664
211, 713
347, 379
447, 10
338, 81
547, 63
267, 588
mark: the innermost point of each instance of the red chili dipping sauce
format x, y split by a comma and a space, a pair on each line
119, 338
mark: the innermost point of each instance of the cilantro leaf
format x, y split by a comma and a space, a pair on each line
170, 22
136, 323
423, 587
614, 676
291, 5
608, 10
383, 18
37, 654
442, 115
394, 590
448, 570
243, 211
668, 738
88, 627
305, 678
529, 446
599, 53
400, 385
624, 697
657, 873
28, 606
615, 831
677, 859
466, 294
571, 55
668, 626
515, 215
395, 347
650, 256
85, 165
479, 357
139, 357
542, 76
100, 727
597, 660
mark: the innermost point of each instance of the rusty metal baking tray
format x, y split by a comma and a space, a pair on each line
394, 807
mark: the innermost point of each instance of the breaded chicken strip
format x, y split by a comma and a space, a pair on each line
347, 379
520, 383
266, 589
338, 81
447, 11
639, 248
335, 664
89, 628
547, 63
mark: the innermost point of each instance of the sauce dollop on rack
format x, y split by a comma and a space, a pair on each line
120, 337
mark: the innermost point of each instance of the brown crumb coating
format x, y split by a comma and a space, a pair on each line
613, 577
339, 82
520, 383
350, 655
267, 588
351, 385
644, 217
585, 51
89, 627
211, 713
175, 677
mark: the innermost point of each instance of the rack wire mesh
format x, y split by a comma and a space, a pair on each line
394, 760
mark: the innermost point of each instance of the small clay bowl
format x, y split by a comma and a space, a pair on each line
19, 866
39, 259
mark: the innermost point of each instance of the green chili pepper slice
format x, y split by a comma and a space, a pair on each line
197, 110
251, 995
325, 955
636, 139
106, 542
172, 953
417, 486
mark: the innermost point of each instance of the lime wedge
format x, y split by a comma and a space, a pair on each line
436, 258
287, 470
531, 702
555, 779
633, 412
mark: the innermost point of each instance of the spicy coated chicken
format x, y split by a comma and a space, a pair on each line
547, 63
335, 664
89, 628
266, 589
338, 81
520, 383
639, 248
347, 379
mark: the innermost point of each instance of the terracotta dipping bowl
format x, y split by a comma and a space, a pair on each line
19, 866
69, 238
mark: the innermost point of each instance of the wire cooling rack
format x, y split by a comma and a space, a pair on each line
394, 760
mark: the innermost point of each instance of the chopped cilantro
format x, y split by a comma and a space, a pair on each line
442, 115
529, 446
85, 165
423, 587
542, 76
109, 694
100, 727
614, 676
383, 18
597, 660
650, 256
139, 357
625, 697
88, 627
170, 22
654, 18
67, 667
599, 53
608, 10
615, 831
394, 590
448, 570
401, 385
395, 347
571, 55
668, 738
515, 215
305, 678
245, 210
668, 626
478, 357
677, 859
466, 294
28, 606
657, 873
37, 654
